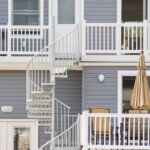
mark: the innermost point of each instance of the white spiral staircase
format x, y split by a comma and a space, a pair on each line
50, 63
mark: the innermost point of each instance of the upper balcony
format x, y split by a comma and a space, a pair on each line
117, 38
115, 30
22, 40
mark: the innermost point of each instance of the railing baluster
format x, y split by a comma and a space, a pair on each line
148, 133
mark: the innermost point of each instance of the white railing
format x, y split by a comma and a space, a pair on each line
23, 40
114, 38
28, 40
116, 131
67, 140
100, 38
132, 37
53, 61
61, 122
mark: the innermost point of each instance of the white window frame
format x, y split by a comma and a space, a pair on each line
122, 74
10, 12
7, 127
119, 10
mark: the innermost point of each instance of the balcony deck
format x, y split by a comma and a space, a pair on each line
101, 42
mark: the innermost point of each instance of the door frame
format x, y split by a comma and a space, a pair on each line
7, 126
122, 74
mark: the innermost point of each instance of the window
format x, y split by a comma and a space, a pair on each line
26, 12
66, 11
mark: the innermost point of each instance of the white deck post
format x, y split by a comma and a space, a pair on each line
118, 38
9, 28
145, 36
83, 41
118, 28
84, 130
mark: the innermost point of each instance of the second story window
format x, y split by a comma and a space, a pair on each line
26, 12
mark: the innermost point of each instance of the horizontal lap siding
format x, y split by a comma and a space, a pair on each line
3, 12
100, 11
69, 91
101, 94
13, 93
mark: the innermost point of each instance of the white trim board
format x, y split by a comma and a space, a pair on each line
7, 127
122, 74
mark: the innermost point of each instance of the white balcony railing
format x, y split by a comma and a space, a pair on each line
23, 40
114, 38
97, 38
116, 131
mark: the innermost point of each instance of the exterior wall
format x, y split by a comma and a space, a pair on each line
13, 93
69, 91
100, 11
101, 94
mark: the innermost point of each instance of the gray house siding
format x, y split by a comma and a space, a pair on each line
101, 94
69, 91
13, 93
4, 12
100, 11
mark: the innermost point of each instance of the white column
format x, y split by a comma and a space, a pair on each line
83, 41
118, 28
41, 12
82, 9
84, 130
9, 26
145, 36
119, 11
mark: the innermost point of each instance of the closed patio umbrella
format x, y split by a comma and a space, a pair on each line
141, 97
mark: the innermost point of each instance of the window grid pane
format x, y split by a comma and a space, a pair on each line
26, 12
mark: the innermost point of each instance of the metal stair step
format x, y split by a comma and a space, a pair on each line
44, 122
39, 115
41, 93
48, 84
39, 101
39, 109
61, 70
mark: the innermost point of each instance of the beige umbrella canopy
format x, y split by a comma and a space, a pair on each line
141, 97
